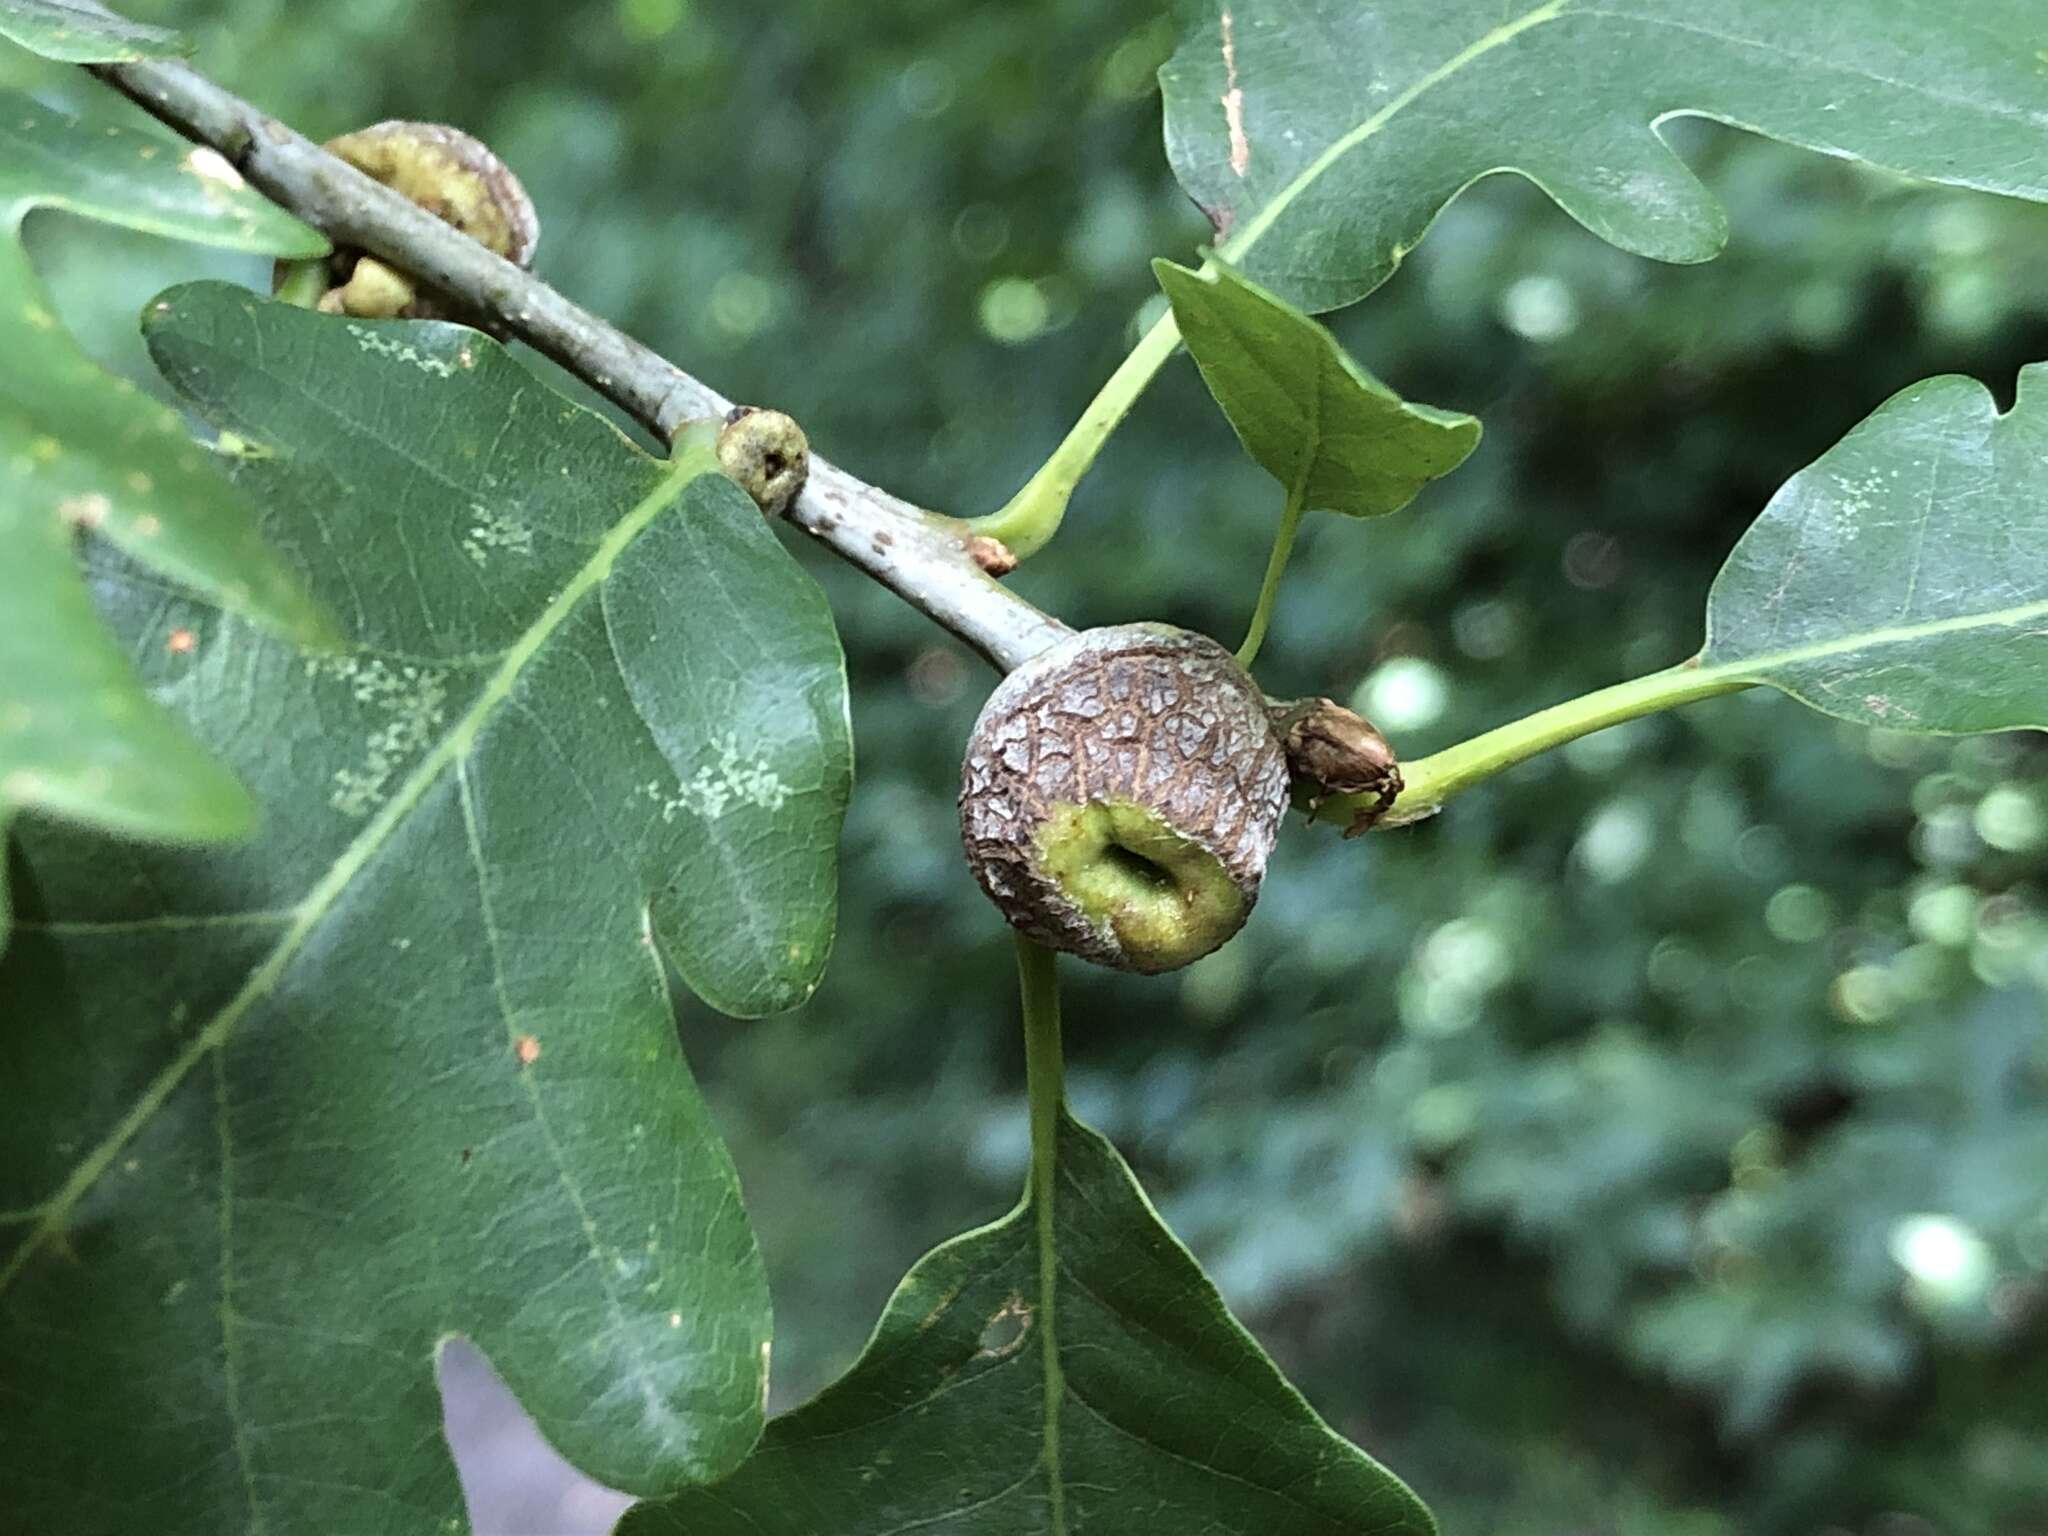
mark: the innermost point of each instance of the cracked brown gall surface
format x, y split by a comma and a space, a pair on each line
1144, 713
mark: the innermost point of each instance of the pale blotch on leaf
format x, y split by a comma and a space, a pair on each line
1233, 101
494, 531
412, 699
729, 781
234, 445
211, 165
1005, 1331
405, 352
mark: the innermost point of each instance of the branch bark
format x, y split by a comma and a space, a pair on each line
921, 556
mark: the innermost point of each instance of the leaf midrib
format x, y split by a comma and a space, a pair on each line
1302, 180
1053, 1378
1820, 62
1046, 1186
1551, 10
1761, 665
320, 900
572, 1187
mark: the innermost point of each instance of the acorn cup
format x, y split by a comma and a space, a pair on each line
1121, 794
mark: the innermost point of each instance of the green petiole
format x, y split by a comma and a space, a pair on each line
1432, 780
1031, 517
1276, 566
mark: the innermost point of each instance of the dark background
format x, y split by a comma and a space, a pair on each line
1656, 1144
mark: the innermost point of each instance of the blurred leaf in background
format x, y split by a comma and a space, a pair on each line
1652, 1144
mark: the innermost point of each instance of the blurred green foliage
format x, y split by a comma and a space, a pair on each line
1656, 1144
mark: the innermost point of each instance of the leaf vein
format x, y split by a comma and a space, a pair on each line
650, 1396
1282, 200
343, 871
231, 1364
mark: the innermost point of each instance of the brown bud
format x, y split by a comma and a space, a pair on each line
1337, 751
767, 453
991, 554
1121, 794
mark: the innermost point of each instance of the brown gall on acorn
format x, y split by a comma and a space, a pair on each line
455, 178
1337, 751
767, 453
1121, 794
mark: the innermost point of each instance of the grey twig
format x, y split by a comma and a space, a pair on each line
922, 557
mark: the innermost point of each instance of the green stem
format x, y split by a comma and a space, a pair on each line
303, 282
1430, 781
1043, 1074
1276, 565
1031, 517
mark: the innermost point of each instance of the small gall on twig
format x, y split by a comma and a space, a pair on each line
454, 177
767, 453
991, 554
926, 570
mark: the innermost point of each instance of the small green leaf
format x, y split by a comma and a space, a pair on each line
1319, 423
1322, 137
1164, 1417
1902, 580
284, 1116
84, 34
79, 449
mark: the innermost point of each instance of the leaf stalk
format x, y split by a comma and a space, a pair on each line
1432, 780
1276, 567
1028, 521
